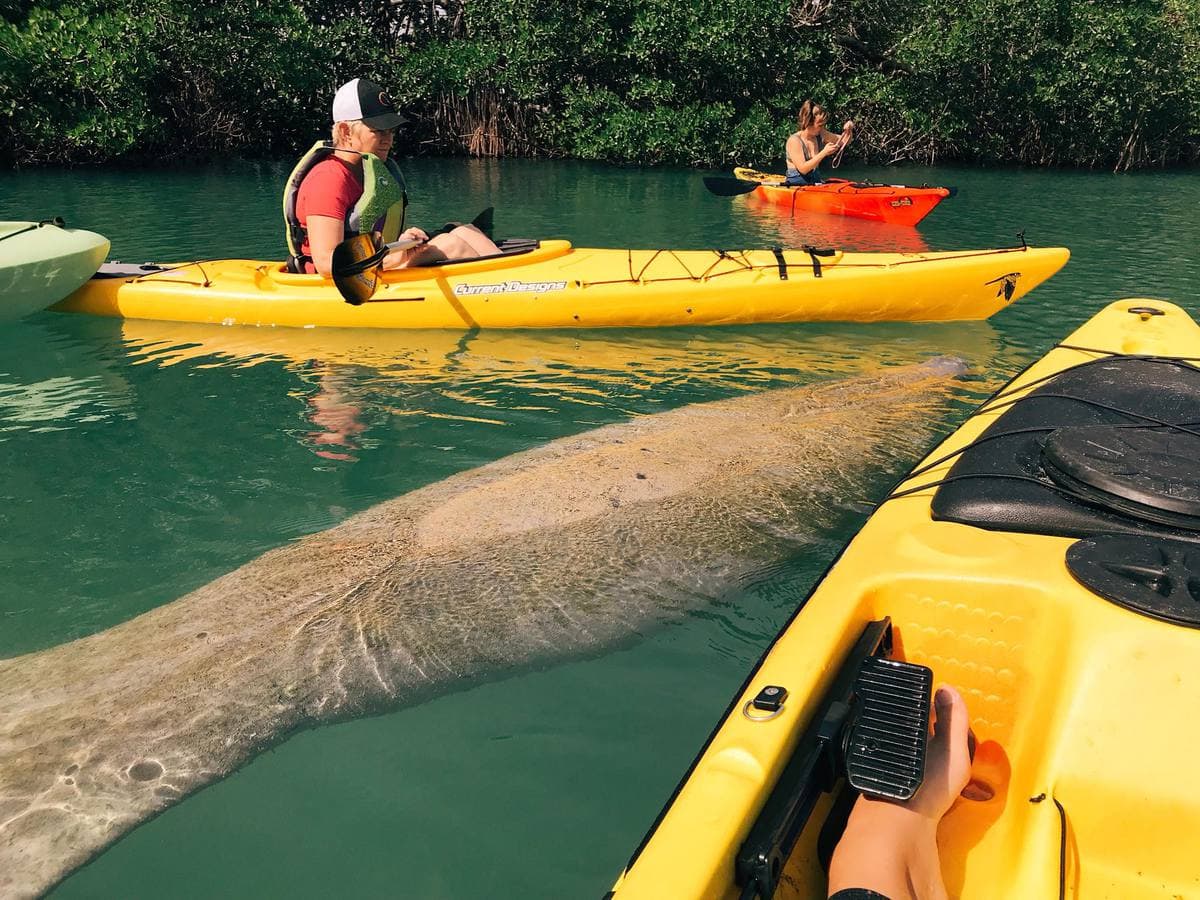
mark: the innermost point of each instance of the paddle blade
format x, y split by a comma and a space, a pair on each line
356, 263
728, 187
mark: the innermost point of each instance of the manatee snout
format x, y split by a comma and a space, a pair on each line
948, 366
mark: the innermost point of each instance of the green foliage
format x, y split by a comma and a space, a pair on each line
1047, 82
1056, 81
95, 80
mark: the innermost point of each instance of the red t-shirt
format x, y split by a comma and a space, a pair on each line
331, 189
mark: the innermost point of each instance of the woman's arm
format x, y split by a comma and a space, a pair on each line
796, 160
844, 138
794, 156
398, 258
324, 233
892, 848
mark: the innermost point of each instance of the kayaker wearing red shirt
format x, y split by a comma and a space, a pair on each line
808, 147
324, 200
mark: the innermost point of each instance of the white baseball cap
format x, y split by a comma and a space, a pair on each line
366, 101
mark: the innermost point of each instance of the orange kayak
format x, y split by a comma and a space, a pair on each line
896, 204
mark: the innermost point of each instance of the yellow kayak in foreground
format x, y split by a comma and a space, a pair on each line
550, 284
1045, 559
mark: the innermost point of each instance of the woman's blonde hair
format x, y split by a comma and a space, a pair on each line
810, 111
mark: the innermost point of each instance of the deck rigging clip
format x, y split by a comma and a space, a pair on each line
778, 251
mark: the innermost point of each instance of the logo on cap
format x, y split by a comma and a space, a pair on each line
384, 100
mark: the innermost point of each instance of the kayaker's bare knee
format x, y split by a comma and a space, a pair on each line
452, 246
889, 848
476, 240
464, 242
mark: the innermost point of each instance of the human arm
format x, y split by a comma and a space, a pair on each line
325, 233
795, 155
398, 258
891, 847
839, 140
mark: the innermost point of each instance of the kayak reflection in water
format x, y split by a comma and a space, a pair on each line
348, 186
889, 849
807, 148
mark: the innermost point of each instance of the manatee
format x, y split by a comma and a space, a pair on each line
550, 553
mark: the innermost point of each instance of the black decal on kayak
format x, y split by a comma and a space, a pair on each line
1008, 284
901, 201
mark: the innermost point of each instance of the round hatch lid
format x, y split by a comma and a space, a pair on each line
1151, 474
1157, 577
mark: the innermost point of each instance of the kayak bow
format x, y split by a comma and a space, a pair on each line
42, 262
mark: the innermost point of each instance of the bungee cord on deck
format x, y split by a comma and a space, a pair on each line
1141, 421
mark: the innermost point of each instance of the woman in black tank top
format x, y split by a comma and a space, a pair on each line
812, 143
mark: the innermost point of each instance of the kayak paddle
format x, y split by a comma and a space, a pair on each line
728, 187
357, 262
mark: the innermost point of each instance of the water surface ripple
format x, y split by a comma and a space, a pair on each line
144, 459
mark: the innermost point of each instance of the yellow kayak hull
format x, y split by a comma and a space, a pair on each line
558, 286
1090, 708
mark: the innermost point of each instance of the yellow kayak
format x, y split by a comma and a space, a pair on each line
550, 284
1051, 571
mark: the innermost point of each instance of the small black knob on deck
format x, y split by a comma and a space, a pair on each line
770, 698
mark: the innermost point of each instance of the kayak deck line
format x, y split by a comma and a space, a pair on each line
1013, 394
737, 257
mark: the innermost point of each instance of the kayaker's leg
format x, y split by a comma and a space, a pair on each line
891, 848
476, 240
464, 242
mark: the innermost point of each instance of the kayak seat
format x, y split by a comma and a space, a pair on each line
1036, 469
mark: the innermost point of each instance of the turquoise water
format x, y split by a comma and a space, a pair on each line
143, 460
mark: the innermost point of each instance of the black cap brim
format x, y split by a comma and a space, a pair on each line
387, 120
